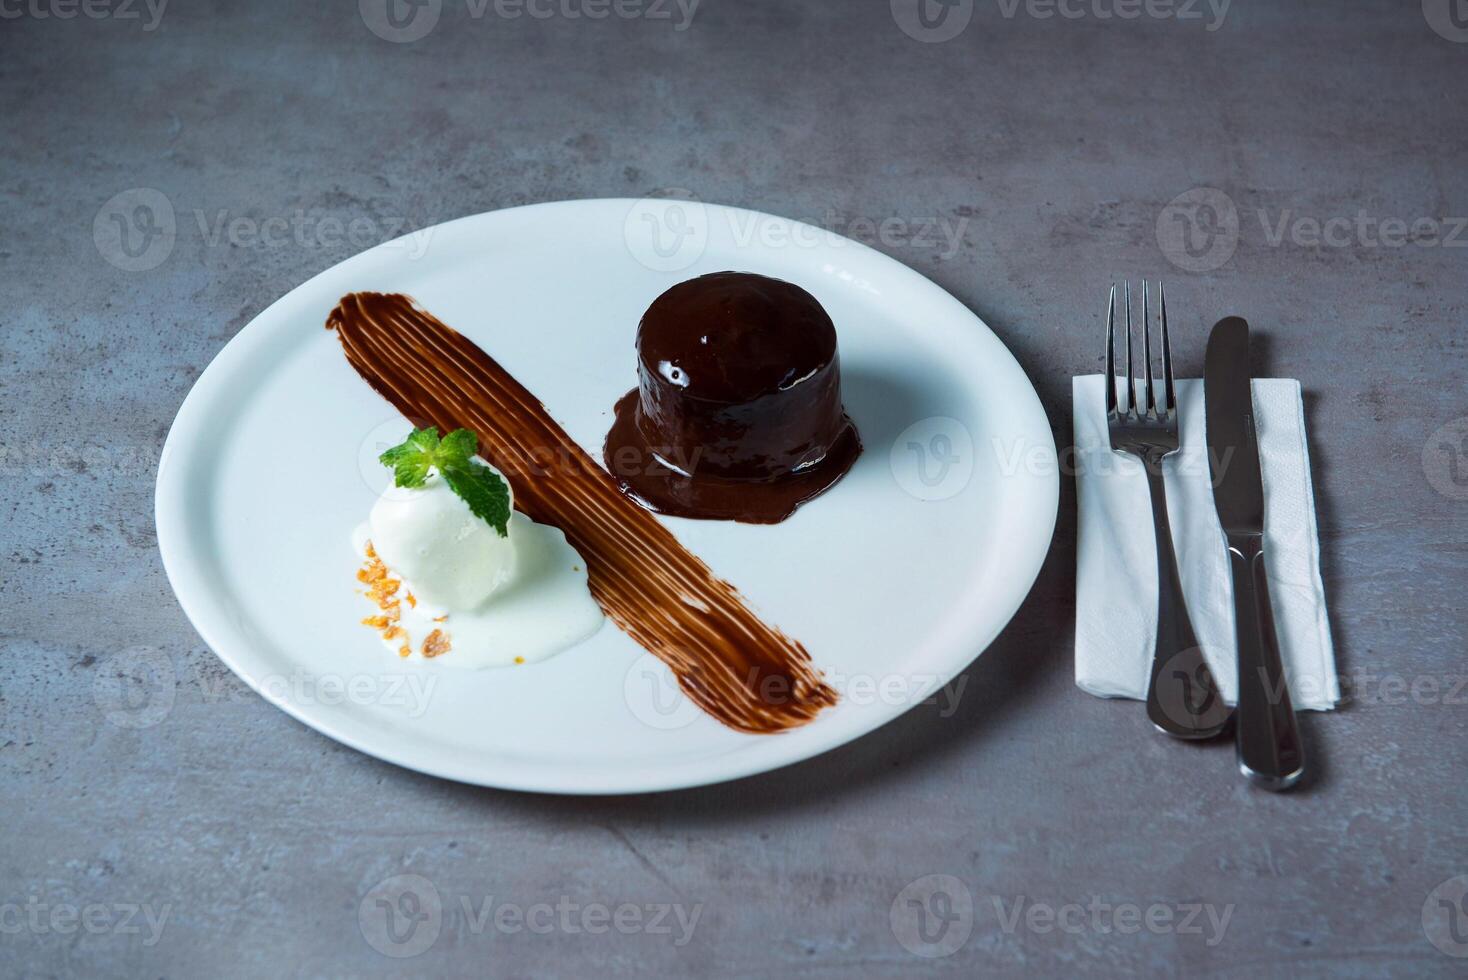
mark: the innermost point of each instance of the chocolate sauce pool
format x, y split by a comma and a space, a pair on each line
746, 674
737, 412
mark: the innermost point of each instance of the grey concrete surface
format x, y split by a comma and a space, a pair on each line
228, 840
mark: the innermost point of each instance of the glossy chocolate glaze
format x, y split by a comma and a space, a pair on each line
746, 674
737, 412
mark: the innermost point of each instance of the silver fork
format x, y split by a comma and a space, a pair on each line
1182, 698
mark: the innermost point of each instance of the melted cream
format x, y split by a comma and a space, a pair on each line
543, 608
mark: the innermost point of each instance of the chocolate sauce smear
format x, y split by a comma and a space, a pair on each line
737, 412
746, 674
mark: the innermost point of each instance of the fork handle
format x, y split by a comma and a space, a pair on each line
1182, 698
1268, 735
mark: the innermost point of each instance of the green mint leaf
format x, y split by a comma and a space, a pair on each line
458, 446
419, 441
411, 458
484, 490
411, 470
400, 451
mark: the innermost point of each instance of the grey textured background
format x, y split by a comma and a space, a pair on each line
1061, 142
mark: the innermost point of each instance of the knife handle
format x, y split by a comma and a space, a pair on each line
1268, 735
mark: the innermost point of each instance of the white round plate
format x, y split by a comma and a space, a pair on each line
895, 580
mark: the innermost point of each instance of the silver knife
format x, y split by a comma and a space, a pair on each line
1266, 732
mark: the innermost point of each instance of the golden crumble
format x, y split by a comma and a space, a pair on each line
436, 644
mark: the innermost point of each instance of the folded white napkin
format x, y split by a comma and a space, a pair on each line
1116, 564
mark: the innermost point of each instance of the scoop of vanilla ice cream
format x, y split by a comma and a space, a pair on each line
447, 556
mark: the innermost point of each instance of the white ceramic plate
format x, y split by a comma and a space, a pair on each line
894, 580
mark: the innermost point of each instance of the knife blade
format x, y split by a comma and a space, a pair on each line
1266, 731
1238, 487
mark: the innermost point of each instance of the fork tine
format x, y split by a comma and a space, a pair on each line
1111, 352
1147, 349
1166, 353
1131, 388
